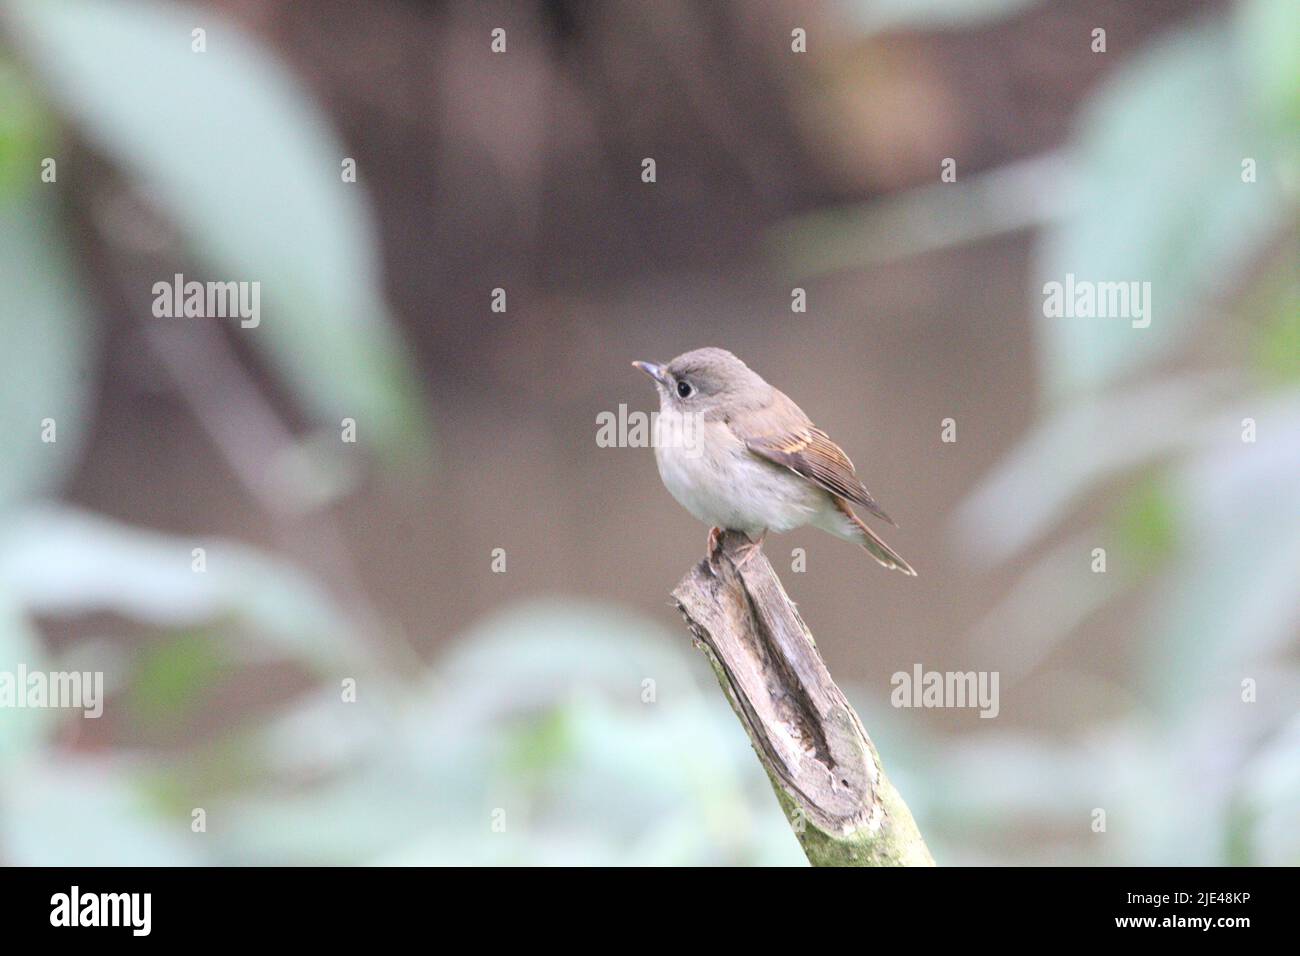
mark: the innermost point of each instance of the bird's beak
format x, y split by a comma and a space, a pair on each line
654, 370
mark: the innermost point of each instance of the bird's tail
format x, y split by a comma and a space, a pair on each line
872, 542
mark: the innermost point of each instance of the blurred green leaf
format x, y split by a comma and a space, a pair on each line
1077, 447
45, 359
1277, 340
1271, 793
1159, 151
538, 712
248, 167
1025, 194
1146, 524
58, 561
1268, 42
550, 646
542, 741
24, 129
1232, 602
73, 811
22, 730
173, 675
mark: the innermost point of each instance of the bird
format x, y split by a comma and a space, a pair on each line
740, 455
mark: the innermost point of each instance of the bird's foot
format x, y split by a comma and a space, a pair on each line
749, 550
714, 548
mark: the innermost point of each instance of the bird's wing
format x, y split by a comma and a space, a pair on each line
809, 452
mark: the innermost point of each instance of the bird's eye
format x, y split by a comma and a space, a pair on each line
684, 389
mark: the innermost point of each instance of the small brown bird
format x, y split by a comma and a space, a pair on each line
740, 455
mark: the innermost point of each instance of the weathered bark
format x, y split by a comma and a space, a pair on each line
823, 766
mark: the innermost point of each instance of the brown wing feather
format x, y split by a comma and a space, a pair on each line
809, 451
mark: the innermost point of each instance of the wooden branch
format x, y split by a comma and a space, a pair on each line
823, 766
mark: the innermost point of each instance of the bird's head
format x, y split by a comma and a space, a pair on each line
704, 381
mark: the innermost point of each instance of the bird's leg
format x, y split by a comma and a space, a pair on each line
714, 547
751, 548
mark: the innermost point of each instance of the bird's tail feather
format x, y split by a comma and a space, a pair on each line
873, 543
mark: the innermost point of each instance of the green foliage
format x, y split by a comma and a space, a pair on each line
1146, 523
24, 128
1276, 340
45, 365
1267, 40
57, 561
238, 157
1196, 758
539, 710
173, 678
535, 721
244, 162
1161, 199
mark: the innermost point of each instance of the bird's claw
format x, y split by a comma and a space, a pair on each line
749, 550
743, 553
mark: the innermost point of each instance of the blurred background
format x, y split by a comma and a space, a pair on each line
541, 703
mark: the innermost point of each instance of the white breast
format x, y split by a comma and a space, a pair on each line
714, 477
